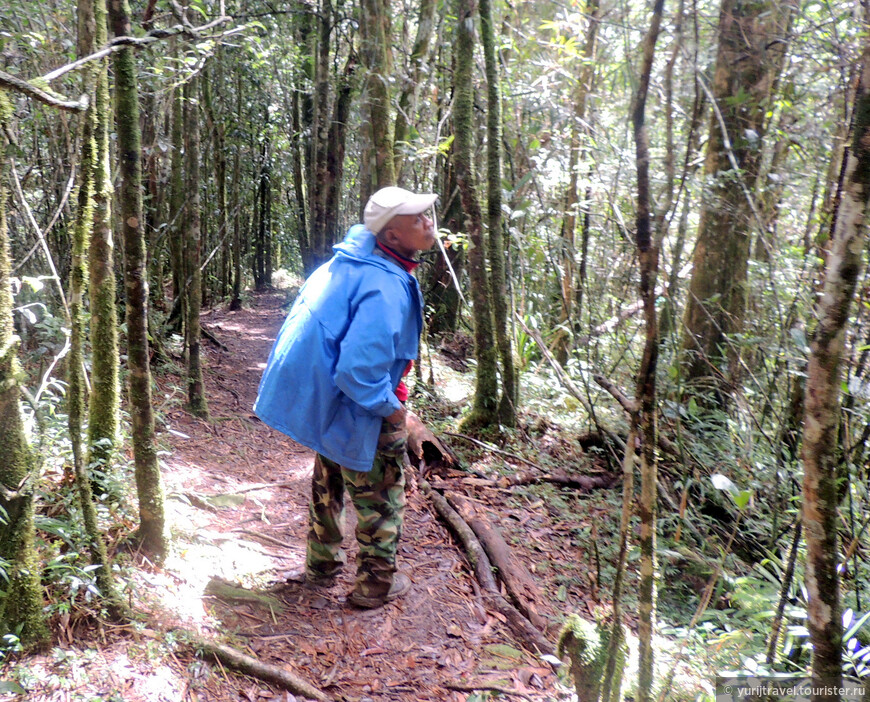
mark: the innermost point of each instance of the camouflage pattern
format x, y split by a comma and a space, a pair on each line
379, 499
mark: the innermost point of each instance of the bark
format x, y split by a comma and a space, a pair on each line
821, 407
177, 206
24, 601
377, 58
196, 401
485, 410
236, 298
105, 400
149, 486
507, 409
299, 207
748, 63
411, 84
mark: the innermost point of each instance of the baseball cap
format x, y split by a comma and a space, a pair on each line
388, 202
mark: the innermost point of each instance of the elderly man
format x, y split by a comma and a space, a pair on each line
334, 383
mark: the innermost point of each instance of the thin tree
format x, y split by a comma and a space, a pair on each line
377, 58
821, 407
196, 401
484, 412
149, 485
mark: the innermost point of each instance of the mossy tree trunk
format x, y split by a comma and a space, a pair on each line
193, 251
319, 149
91, 16
335, 154
149, 485
177, 202
484, 413
821, 407
752, 41
507, 410
23, 605
104, 408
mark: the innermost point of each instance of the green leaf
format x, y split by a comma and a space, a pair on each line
12, 687
505, 651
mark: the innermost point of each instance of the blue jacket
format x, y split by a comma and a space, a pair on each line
332, 374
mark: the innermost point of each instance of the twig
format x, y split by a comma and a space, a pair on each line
490, 447
484, 686
264, 537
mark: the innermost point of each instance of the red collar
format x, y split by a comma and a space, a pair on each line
408, 264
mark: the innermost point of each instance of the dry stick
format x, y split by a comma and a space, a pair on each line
236, 660
264, 537
518, 582
54, 218
521, 626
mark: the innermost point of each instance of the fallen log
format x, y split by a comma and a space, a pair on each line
425, 447
518, 581
238, 661
480, 562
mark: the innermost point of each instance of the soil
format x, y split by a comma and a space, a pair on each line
238, 492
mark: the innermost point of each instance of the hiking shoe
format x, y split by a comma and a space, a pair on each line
310, 579
401, 585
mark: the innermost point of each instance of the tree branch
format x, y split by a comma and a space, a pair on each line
10, 82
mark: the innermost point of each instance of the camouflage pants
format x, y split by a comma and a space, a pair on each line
379, 499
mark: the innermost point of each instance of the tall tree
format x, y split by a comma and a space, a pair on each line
149, 483
821, 407
507, 407
484, 413
752, 41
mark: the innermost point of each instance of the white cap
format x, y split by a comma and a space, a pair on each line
388, 202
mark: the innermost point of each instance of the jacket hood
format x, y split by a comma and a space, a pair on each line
358, 243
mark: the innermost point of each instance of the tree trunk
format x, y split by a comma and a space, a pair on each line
193, 252
105, 398
485, 410
507, 410
23, 605
411, 84
149, 486
177, 200
335, 155
320, 146
92, 19
377, 58
750, 57
821, 409
645, 394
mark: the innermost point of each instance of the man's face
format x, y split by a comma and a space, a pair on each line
409, 234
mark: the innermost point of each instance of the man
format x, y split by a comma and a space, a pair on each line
333, 383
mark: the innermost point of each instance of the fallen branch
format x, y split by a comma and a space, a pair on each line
211, 337
517, 580
484, 686
585, 483
630, 406
238, 661
493, 449
480, 562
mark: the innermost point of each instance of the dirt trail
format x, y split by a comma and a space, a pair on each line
440, 634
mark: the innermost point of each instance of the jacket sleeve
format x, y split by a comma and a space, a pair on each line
367, 354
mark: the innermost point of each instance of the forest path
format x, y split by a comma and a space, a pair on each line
250, 534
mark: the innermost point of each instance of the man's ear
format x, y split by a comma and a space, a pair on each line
388, 236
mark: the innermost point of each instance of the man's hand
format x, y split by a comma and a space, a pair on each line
397, 418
